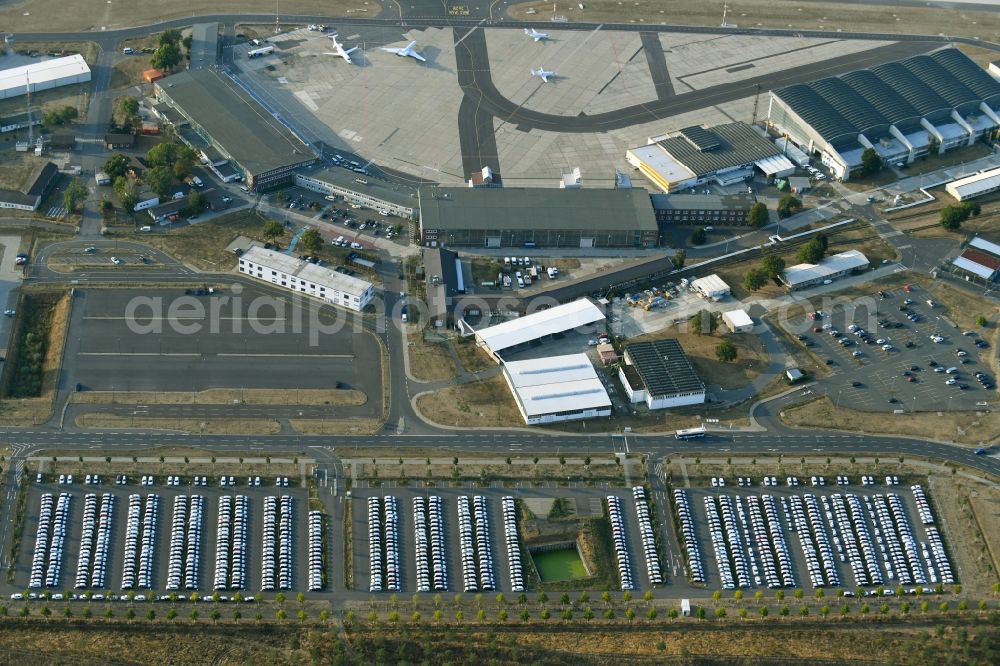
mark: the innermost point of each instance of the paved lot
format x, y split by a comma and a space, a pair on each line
161, 557
879, 380
783, 492
265, 342
590, 501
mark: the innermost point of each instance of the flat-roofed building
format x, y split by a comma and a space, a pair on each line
801, 276
366, 191
975, 185
230, 120
731, 210
724, 154
659, 373
43, 75
557, 388
737, 321
544, 323
518, 217
307, 278
903, 110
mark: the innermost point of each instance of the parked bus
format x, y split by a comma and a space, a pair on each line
690, 433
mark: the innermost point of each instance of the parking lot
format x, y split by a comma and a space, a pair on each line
190, 342
895, 351
450, 539
165, 537
864, 531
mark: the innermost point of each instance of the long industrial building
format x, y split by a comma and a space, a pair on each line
557, 388
724, 154
43, 75
366, 191
976, 185
223, 115
513, 334
516, 217
903, 110
306, 278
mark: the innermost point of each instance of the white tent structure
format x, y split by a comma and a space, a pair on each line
539, 325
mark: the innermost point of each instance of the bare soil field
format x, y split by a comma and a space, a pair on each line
751, 357
474, 359
97, 15
970, 528
783, 14
190, 425
479, 404
350, 397
429, 361
961, 427
336, 426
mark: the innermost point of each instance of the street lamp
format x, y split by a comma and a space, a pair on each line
839, 393
950, 398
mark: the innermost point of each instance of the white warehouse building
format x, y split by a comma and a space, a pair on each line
307, 278
512, 334
976, 185
711, 287
43, 75
557, 388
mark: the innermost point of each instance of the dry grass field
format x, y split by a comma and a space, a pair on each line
781, 14
482, 404
224, 397
221, 426
336, 426
429, 361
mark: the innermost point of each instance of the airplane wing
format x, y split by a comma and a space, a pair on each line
351, 50
545, 77
391, 49
417, 56
409, 47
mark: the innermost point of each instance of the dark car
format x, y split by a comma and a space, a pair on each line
856, 384
893, 401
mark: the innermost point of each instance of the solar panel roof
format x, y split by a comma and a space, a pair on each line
664, 367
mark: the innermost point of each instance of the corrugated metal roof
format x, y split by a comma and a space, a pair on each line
711, 284
664, 367
837, 263
738, 318
974, 267
972, 185
39, 73
986, 245
555, 384
738, 144
540, 324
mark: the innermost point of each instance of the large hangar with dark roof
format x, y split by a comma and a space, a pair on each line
903, 110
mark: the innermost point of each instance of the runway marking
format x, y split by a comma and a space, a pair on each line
292, 355
471, 30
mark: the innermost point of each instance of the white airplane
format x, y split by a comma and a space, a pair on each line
405, 51
535, 35
340, 51
545, 76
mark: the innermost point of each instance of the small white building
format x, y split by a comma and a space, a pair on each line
975, 185
801, 276
738, 321
557, 388
711, 287
307, 278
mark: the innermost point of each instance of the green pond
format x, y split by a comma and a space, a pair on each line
556, 565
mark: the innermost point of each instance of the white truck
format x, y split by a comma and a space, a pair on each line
262, 51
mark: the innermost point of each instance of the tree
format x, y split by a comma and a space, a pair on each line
271, 230
788, 205
128, 194
609, 614
170, 36
952, 217
166, 57
184, 162
171, 614
651, 613
151, 615
302, 615
162, 154
773, 265
281, 615
981, 321
812, 252
871, 162
698, 237
703, 323
130, 614
311, 240
75, 194
196, 202
629, 614
754, 279
186, 43
725, 351
160, 180
758, 216
125, 113
545, 614
680, 256
115, 166
60, 116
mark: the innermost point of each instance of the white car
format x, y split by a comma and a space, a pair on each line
116, 261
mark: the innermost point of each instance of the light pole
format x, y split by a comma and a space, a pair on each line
839, 393
950, 398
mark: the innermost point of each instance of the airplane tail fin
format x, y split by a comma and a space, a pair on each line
409, 47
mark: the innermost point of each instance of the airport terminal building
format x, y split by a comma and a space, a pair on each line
903, 110
517, 217
219, 115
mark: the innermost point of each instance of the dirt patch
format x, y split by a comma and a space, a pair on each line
202, 426
473, 358
223, 397
960, 427
782, 14
751, 357
429, 361
970, 514
336, 426
129, 72
482, 404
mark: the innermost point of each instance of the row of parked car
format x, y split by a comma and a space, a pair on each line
895, 539
852, 536
315, 551
92, 562
387, 577
937, 549
429, 549
46, 563
807, 522
487, 579
138, 563
230, 542
185, 542
776, 542
696, 569
647, 534
621, 547
513, 543
277, 536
